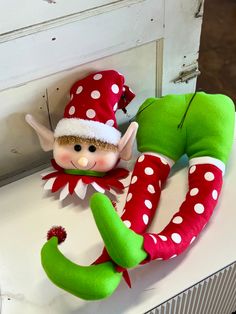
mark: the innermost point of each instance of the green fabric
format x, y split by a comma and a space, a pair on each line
90, 173
210, 126
158, 120
87, 282
124, 246
207, 129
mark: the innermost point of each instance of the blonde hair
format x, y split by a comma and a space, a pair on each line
73, 140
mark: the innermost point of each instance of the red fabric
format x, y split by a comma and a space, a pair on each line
110, 180
205, 182
126, 98
149, 175
98, 96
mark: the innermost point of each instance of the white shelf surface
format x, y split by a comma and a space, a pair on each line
27, 214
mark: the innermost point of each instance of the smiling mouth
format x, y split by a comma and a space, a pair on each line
83, 169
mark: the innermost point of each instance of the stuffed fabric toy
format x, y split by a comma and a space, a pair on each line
199, 125
86, 143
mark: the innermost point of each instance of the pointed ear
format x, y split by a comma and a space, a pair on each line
126, 142
46, 137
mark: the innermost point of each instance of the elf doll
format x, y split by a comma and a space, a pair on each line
86, 143
199, 125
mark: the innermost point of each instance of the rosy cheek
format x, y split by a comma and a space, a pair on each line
101, 162
64, 158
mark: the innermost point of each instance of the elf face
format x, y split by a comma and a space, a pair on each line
71, 153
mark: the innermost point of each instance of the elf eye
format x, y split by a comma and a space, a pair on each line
92, 148
77, 148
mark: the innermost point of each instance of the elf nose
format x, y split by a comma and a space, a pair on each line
83, 162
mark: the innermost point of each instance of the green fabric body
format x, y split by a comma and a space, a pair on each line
207, 129
124, 246
86, 282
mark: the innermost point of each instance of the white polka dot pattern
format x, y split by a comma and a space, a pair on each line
95, 94
163, 161
214, 194
145, 191
141, 158
129, 197
71, 110
145, 219
79, 90
153, 237
192, 169
151, 189
199, 208
194, 191
177, 220
115, 107
176, 238
134, 179
90, 113
97, 76
205, 182
148, 204
115, 88
110, 122
127, 223
149, 171
162, 237
209, 176
100, 92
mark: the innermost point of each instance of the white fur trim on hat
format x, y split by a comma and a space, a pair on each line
87, 129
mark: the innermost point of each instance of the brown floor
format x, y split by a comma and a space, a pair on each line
217, 60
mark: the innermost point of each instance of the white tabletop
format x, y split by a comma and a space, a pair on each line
26, 214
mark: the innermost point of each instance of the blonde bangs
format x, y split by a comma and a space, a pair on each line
73, 140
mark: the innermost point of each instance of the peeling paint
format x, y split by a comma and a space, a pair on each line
50, 1
48, 110
15, 151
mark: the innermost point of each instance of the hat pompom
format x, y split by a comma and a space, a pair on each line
59, 232
126, 98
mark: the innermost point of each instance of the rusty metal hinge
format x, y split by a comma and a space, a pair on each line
186, 76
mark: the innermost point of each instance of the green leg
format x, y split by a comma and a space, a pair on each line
123, 245
86, 282
210, 126
158, 131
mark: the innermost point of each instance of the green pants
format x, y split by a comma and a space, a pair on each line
207, 129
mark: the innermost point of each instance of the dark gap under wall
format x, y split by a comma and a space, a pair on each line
217, 60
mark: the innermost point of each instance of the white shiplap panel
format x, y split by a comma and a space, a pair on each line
182, 39
20, 148
53, 50
15, 14
207, 292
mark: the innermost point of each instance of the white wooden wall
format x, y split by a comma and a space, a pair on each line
47, 45
28, 13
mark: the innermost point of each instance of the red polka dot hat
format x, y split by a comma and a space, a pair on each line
94, 102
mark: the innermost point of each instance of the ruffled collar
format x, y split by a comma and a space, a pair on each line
76, 181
